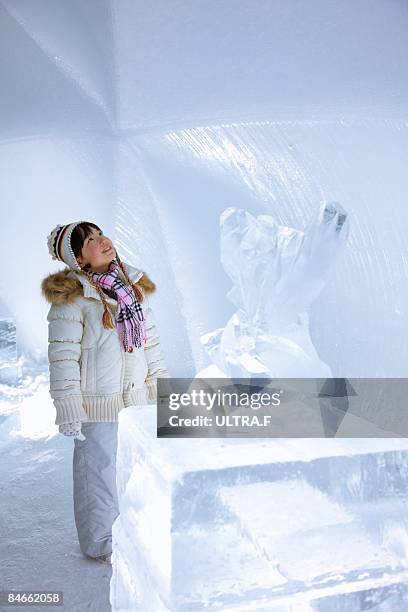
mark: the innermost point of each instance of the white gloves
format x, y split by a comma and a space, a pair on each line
72, 430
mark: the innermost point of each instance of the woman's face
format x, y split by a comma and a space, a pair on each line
98, 251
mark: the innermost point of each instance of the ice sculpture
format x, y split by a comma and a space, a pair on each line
277, 273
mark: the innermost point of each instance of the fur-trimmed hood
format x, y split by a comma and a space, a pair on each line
64, 286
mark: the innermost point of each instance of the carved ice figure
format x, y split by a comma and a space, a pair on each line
277, 272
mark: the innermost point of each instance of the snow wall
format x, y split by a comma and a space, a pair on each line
151, 119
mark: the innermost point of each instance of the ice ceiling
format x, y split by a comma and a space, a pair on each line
153, 118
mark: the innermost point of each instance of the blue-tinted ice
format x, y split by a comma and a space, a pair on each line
152, 118
207, 524
277, 273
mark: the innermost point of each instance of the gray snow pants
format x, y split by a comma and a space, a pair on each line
94, 487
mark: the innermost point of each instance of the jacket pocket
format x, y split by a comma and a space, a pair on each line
87, 366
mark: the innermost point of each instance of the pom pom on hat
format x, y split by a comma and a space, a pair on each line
59, 244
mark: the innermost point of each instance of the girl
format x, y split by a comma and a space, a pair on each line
104, 354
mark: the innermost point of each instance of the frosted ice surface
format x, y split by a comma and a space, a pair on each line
282, 518
166, 116
207, 523
8, 352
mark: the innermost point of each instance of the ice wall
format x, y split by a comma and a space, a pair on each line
56, 160
152, 119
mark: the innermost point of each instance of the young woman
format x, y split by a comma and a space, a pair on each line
104, 354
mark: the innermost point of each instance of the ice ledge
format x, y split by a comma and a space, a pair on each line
177, 456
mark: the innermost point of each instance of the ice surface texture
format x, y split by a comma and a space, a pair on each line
8, 352
206, 526
153, 118
277, 273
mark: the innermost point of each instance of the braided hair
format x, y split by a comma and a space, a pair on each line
81, 231
107, 320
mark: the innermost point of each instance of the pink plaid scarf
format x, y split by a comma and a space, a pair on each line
129, 319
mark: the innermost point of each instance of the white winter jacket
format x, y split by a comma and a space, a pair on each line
91, 377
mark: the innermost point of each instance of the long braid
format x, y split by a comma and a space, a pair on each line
107, 320
136, 290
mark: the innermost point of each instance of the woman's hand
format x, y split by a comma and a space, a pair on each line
72, 430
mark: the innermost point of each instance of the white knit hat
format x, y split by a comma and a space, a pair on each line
59, 244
